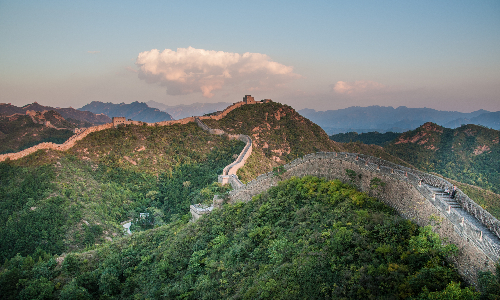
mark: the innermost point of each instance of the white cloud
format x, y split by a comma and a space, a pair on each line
93, 52
357, 87
190, 70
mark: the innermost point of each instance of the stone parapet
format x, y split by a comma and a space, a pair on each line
197, 210
61, 147
408, 191
81, 133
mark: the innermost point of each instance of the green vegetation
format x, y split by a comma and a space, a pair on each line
29, 218
67, 201
188, 183
278, 130
370, 138
304, 239
468, 154
149, 149
375, 151
20, 132
255, 165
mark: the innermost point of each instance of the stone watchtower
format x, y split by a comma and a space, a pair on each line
248, 99
118, 120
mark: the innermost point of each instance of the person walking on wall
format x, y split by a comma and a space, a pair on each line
454, 192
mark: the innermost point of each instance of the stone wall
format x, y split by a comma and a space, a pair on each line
167, 123
407, 191
61, 147
224, 112
229, 172
80, 134
232, 168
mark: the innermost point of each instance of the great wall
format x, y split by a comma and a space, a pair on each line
415, 195
80, 134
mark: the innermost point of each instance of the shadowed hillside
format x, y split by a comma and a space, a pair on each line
80, 118
21, 131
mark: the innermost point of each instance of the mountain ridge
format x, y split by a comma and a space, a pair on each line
137, 111
69, 114
112, 176
387, 118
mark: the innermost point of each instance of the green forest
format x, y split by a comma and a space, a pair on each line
374, 138
62, 216
21, 132
73, 203
468, 154
306, 238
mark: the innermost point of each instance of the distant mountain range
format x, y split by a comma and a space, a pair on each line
78, 117
401, 119
195, 109
137, 111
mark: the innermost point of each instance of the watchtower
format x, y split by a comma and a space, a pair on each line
118, 120
248, 99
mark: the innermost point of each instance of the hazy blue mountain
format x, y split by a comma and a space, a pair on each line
490, 119
388, 118
195, 109
137, 111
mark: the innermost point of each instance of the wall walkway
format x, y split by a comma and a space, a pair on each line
83, 133
415, 195
229, 172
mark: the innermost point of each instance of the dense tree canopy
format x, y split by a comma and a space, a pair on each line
305, 239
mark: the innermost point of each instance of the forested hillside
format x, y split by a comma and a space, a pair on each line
70, 114
279, 135
304, 239
374, 138
469, 154
63, 201
20, 131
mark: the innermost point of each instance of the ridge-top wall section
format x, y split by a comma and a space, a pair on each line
404, 191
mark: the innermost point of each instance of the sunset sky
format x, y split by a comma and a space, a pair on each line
315, 54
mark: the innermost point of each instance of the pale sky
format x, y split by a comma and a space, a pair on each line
308, 54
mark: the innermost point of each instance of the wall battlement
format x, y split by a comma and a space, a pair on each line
413, 194
82, 133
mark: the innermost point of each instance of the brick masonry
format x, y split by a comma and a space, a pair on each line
410, 193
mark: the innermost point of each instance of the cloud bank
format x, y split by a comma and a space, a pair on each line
357, 87
190, 70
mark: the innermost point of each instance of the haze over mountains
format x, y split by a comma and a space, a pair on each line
137, 111
184, 111
400, 119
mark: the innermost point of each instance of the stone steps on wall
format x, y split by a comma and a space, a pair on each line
441, 195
